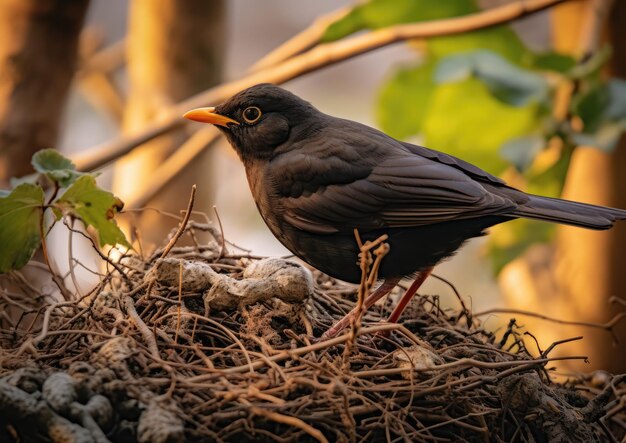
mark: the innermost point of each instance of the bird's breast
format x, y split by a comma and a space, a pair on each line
267, 202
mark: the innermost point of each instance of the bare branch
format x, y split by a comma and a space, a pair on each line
317, 58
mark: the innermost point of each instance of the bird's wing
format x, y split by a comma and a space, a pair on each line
468, 168
338, 187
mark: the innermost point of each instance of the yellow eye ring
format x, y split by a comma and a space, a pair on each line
251, 114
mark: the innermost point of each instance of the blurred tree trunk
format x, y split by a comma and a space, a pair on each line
586, 267
175, 49
38, 53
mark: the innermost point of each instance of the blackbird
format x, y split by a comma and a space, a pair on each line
315, 178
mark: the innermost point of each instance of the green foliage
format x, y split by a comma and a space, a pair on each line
602, 110
521, 151
405, 100
472, 124
377, 14
505, 81
20, 217
553, 61
22, 209
95, 207
462, 117
58, 168
472, 93
487, 98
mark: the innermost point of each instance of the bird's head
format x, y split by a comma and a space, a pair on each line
258, 120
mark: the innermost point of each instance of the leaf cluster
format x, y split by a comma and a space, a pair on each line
59, 190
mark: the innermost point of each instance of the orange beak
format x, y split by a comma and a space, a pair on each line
208, 115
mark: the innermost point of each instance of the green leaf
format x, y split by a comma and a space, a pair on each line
95, 207
59, 168
553, 61
50, 160
507, 82
603, 113
465, 120
604, 138
501, 40
590, 107
590, 68
521, 151
20, 218
376, 14
616, 109
405, 99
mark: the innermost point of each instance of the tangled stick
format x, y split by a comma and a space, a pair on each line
221, 343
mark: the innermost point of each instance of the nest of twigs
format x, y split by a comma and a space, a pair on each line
200, 343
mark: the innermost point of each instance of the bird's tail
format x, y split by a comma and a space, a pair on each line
570, 213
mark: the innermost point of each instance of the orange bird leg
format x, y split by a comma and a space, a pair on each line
408, 295
387, 285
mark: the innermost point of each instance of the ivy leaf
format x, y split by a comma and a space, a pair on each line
507, 82
95, 207
521, 151
20, 218
57, 167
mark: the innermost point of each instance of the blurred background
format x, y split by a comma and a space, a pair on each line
539, 102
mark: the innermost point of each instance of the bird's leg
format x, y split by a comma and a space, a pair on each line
388, 284
408, 295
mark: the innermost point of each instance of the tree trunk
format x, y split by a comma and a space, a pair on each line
38, 53
587, 267
175, 49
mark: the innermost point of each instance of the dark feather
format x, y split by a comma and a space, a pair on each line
315, 178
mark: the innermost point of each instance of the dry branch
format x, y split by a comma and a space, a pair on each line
316, 58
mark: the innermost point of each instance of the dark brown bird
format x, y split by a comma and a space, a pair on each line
315, 178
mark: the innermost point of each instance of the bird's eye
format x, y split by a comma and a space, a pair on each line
251, 114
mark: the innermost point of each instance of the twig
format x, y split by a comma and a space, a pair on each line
317, 58
465, 362
173, 165
182, 225
306, 349
608, 326
145, 331
67, 295
300, 42
222, 241
105, 60
180, 299
291, 421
